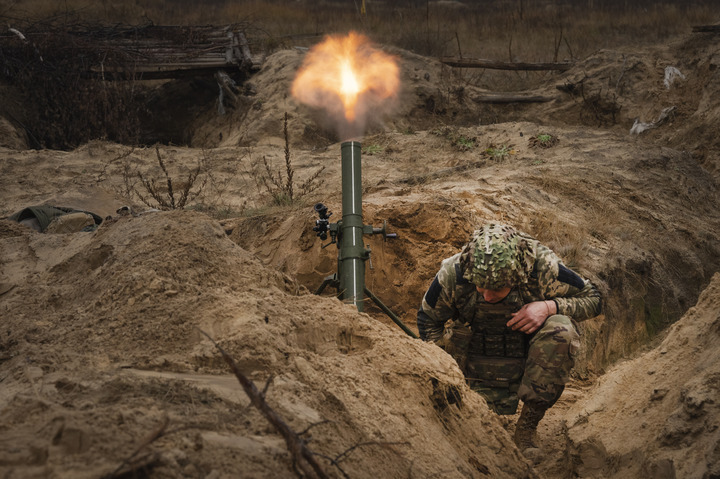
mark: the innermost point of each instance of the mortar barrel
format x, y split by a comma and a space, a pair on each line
352, 253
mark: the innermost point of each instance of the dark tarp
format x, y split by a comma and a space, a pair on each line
45, 214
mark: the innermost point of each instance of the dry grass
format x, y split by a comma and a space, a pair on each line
542, 30
566, 239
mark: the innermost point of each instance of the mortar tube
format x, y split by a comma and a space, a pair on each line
352, 253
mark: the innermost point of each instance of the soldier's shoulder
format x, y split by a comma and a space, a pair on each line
546, 261
448, 270
451, 261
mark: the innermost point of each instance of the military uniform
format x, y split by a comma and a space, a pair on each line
500, 363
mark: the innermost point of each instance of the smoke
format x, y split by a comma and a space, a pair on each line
353, 82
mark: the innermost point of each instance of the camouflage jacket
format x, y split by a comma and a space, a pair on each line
449, 294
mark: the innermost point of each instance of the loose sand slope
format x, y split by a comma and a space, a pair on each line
104, 343
663, 406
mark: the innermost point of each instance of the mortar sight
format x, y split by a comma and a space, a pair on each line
322, 211
321, 225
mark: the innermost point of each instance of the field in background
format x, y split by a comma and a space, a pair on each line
519, 30
69, 110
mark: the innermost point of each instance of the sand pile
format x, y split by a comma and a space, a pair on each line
663, 406
104, 348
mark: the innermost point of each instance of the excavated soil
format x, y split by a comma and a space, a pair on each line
106, 370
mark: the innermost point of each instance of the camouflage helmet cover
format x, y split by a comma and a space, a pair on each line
497, 256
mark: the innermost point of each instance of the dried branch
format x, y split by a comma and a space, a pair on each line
283, 191
312, 183
300, 453
167, 177
152, 189
131, 464
188, 195
288, 164
601, 106
346, 453
267, 386
128, 186
558, 41
271, 177
622, 73
307, 429
167, 201
567, 44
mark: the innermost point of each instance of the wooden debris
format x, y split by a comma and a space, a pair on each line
154, 51
706, 29
512, 98
169, 52
496, 65
134, 464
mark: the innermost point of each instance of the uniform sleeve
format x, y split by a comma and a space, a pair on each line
575, 296
438, 304
582, 305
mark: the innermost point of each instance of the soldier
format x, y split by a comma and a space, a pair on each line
512, 306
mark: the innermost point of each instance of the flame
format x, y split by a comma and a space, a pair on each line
347, 77
349, 89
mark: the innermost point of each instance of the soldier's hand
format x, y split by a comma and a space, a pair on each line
530, 317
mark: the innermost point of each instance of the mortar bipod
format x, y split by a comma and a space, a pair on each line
353, 275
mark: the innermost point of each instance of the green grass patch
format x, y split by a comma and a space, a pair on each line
499, 152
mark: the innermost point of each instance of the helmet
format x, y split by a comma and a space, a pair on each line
497, 256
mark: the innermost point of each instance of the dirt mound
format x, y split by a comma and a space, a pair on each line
663, 406
607, 207
399, 273
610, 89
104, 346
430, 93
614, 89
11, 136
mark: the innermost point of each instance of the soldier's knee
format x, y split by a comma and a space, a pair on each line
557, 336
561, 328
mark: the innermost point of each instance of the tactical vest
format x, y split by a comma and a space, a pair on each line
490, 354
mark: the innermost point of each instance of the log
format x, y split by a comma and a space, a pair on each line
510, 98
496, 65
706, 29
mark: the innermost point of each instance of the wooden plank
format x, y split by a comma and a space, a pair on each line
171, 66
149, 74
496, 65
245, 54
165, 51
153, 71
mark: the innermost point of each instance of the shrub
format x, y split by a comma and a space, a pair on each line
282, 187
